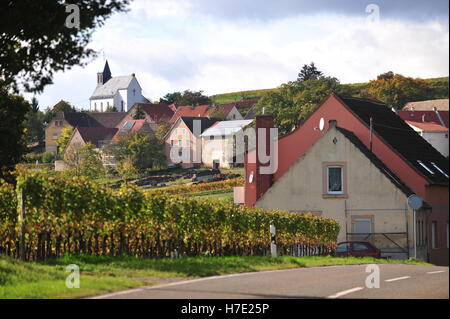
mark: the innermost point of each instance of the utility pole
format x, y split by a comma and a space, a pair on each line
273, 241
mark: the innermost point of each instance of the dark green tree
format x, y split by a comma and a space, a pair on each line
188, 97
170, 98
13, 109
36, 42
139, 113
34, 124
309, 72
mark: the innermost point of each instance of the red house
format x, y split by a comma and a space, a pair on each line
406, 156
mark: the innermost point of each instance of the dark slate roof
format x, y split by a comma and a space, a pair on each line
205, 122
108, 119
401, 137
95, 134
84, 119
376, 161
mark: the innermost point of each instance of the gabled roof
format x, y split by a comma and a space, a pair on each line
205, 122
427, 127
157, 112
376, 161
401, 138
226, 128
128, 127
108, 119
440, 117
429, 105
109, 89
85, 119
95, 134
190, 111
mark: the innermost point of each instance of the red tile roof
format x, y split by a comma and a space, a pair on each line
424, 116
428, 126
157, 112
199, 111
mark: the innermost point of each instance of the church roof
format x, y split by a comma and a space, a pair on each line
109, 89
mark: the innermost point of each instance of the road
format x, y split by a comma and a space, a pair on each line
396, 282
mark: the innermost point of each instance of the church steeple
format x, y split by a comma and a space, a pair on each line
103, 77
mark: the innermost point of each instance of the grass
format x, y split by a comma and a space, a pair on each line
105, 274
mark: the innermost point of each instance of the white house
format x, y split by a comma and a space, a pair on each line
119, 91
433, 133
219, 148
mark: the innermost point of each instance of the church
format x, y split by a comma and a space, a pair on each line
121, 92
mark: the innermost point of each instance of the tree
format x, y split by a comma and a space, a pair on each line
161, 131
12, 130
396, 90
188, 97
64, 138
295, 100
84, 161
111, 109
218, 112
34, 124
309, 72
139, 150
36, 41
139, 113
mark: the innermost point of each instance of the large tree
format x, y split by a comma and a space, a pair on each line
84, 161
12, 130
34, 123
295, 100
188, 97
396, 90
309, 72
36, 42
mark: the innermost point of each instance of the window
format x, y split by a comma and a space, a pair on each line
55, 136
335, 180
434, 239
180, 153
180, 143
343, 248
107, 104
362, 225
171, 142
360, 247
95, 106
58, 123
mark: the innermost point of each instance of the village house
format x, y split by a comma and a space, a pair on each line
154, 114
356, 161
78, 119
183, 143
120, 92
429, 105
230, 111
219, 143
433, 133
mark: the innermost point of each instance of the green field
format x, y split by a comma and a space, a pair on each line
106, 274
440, 92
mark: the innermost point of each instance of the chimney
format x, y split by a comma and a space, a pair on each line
263, 181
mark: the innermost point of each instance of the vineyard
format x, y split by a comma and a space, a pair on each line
71, 216
212, 186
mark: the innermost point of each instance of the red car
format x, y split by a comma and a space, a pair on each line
356, 249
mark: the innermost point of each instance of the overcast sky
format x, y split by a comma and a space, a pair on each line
234, 45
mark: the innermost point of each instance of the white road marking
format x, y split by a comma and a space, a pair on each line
398, 278
435, 272
345, 292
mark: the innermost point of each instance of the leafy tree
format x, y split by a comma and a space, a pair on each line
84, 161
64, 138
34, 123
161, 131
36, 42
188, 97
140, 150
309, 72
111, 109
139, 113
295, 100
170, 98
219, 113
396, 90
12, 130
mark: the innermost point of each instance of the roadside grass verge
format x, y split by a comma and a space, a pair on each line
106, 274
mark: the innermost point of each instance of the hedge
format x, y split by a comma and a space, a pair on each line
79, 216
194, 188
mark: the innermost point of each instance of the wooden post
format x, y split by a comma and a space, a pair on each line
22, 213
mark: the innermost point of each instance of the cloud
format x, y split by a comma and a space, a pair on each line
201, 52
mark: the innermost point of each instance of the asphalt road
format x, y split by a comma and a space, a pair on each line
396, 282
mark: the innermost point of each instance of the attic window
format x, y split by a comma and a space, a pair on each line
426, 167
439, 169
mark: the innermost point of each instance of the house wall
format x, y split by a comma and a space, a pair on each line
439, 140
189, 143
369, 192
52, 133
235, 115
136, 97
101, 105
75, 141
220, 149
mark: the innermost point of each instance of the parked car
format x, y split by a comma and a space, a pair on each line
356, 249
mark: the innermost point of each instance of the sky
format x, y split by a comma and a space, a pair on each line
235, 45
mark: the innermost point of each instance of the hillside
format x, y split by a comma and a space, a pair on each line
441, 91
